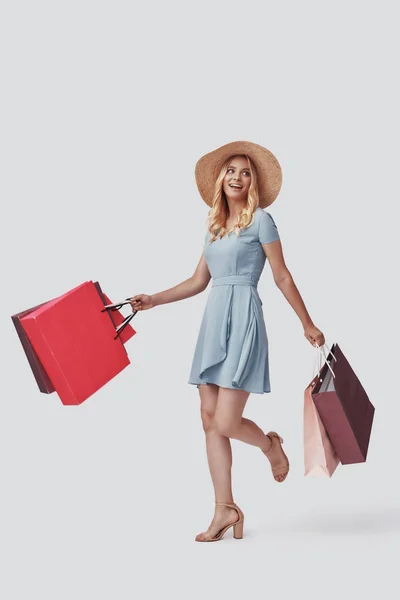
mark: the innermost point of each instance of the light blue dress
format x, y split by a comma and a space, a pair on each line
232, 344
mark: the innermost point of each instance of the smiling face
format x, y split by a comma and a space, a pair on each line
237, 180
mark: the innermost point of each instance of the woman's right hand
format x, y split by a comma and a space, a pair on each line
141, 302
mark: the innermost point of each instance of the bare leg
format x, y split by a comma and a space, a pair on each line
219, 456
232, 424
221, 412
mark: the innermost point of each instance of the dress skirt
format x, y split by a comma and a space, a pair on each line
232, 345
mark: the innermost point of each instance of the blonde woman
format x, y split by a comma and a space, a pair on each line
237, 181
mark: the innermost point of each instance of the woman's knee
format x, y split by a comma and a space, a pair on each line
226, 426
208, 419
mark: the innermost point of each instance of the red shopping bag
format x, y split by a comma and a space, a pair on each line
344, 408
39, 372
320, 457
117, 318
74, 339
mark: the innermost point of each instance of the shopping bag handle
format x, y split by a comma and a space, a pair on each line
127, 319
117, 305
320, 353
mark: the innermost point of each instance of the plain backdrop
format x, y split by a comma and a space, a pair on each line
105, 109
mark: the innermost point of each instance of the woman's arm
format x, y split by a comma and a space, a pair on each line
190, 287
284, 281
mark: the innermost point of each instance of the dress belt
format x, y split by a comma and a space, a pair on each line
235, 280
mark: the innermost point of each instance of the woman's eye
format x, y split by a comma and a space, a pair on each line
244, 172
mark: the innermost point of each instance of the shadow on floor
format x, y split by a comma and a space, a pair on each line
379, 520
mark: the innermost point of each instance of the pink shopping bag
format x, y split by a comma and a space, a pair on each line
320, 457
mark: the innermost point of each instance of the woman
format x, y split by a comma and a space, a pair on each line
230, 360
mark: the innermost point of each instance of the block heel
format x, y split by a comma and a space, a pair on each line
237, 525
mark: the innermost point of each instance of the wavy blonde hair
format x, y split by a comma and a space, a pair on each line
217, 215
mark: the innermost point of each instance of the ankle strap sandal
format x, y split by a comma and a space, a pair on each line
237, 525
283, 469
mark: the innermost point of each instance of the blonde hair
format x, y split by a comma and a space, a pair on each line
217, 215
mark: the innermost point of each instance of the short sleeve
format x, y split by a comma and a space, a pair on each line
267, 231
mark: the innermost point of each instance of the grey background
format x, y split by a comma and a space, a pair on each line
106, 107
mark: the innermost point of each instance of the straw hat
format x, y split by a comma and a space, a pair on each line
269, 172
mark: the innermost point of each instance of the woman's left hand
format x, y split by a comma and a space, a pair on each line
314, 335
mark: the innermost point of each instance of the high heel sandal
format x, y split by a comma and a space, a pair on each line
282, 469
237, 525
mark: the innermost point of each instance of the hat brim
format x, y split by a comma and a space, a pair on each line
269, 172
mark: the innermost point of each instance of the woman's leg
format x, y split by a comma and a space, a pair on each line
218, 447
231, 423
219, 456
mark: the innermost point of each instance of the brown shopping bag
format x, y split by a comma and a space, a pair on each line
320, 458
344, 407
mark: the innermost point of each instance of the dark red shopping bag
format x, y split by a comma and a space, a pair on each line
76, 342
39, 372
344, 408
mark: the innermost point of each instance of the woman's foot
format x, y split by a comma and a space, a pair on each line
223, 516
274, 452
